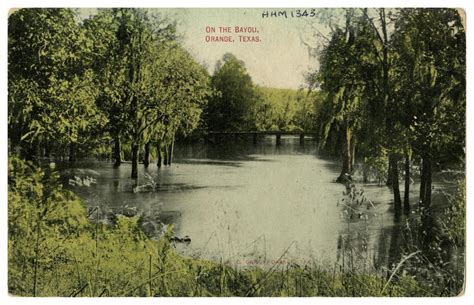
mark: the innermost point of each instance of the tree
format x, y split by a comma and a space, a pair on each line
344, 78
430, 45
307, 103
139, 42
152, 87
51, 91
389, 119
400, 93
233, 106
179, 92
108, 61
283, 109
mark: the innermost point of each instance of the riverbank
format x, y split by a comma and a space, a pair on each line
54, 250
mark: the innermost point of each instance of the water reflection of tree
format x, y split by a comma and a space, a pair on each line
353, 252
242, 148
361, 250
395, 249
437, 261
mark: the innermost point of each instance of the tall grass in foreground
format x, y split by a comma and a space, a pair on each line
54, 250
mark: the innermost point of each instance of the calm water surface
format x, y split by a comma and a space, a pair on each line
249, 204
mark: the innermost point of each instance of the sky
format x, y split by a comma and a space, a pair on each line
280, 59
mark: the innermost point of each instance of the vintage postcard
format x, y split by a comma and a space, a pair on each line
252, 152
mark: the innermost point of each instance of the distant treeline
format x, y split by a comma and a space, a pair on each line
240, 105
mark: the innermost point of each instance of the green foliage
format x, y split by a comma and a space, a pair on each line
40, 216
285, 109
237, 104
346, 77
453, 221
180, 92
51, 89
440, 242
118, 75
153, 88
394, 85
429, 79
232, 106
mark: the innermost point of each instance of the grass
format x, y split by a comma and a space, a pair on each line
127, 263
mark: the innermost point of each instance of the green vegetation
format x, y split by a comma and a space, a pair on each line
150, 87
232, 106
389, 92
239, 105
54, 250
52, 89
397, 95
285, 109
394, 90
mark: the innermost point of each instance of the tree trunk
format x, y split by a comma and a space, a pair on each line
389, 175
425, 201
395, 184
406, 198
165, 155
422, 184
346, 156
146, 155
117, 157
134, 161
353, 151
171, 149
426, 181
158, 152
170, 154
